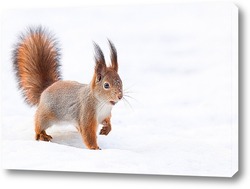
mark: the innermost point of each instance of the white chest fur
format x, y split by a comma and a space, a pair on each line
103, 111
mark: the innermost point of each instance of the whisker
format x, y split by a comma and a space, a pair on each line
128, 88
127, 91
101, 106
129, 97
125, 100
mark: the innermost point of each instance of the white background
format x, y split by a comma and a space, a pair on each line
36, 179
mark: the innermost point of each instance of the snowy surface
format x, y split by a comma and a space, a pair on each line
178, 62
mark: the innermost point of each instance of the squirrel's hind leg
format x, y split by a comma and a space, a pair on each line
43, 120
43, 136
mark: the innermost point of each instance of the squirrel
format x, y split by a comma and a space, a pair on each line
36, 64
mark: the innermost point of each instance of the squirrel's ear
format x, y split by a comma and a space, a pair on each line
113, 56
100, 66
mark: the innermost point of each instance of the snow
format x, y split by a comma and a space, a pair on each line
178, 63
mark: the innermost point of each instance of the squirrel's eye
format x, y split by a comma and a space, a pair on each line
106, 85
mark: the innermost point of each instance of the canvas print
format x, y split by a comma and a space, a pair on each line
145, 89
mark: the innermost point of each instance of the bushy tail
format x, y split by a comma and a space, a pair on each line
36, 63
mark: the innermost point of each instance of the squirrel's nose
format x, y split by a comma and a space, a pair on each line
120, 95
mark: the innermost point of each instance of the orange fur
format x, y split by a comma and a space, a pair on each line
43, 120
88, 133
106, 126
36, 62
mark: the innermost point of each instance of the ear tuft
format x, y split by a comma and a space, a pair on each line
113, 56
99, 57
99, 60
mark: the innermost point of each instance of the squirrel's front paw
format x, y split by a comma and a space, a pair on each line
105, 130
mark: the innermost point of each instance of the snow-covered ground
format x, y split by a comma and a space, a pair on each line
178, 62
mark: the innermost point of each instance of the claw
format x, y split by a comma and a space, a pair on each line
43, 136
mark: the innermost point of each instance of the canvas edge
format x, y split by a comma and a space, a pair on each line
235, 90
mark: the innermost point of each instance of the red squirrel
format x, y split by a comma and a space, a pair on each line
36, 63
